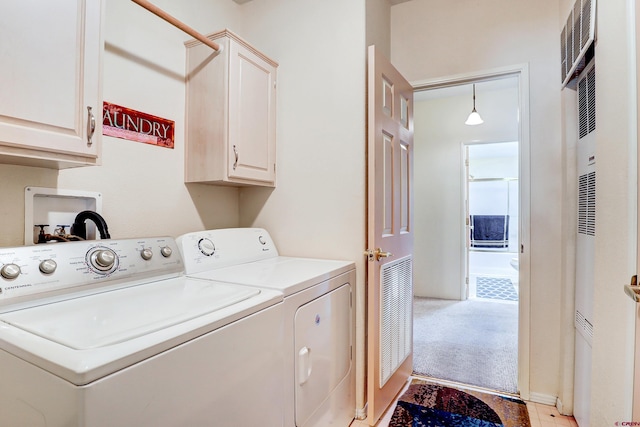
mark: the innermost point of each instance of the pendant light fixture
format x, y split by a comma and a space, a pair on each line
474, 118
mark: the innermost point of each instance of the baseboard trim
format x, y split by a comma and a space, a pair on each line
544, 399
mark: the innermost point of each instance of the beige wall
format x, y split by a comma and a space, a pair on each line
440, 132
318, 206
432, 40
379, 25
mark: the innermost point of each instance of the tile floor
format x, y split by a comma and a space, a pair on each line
539, 414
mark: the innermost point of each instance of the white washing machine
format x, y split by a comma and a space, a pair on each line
112, 333
319, 323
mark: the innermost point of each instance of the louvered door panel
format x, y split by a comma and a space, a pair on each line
396, 316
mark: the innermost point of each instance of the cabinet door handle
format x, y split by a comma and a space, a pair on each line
235, 153
91, 126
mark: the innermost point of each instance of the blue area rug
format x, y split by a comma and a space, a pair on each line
499, 288
426, 404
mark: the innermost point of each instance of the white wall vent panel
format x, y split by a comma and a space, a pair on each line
396, 335
587, 204
584, 327
576, 40
587, 102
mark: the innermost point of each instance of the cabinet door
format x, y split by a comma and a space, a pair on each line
50, 56
252, 109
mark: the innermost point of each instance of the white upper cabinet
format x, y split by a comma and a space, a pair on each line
50, 96
231, 113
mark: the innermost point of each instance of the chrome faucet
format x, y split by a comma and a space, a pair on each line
79, 228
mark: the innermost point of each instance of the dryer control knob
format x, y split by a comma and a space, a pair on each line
207, 247
10, 271
166, 251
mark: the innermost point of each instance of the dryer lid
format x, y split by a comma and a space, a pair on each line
284, 274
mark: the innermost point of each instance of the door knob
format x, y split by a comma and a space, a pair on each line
377, 254
632, 289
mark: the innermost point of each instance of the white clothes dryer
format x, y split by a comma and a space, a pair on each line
319, 317
111, 333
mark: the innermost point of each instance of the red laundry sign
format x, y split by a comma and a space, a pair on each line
133, 125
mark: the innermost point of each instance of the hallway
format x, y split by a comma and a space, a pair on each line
472, 342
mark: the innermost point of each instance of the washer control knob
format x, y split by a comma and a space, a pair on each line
105, 259
146, 254
10, 271
166, 251
207, 247
48, 266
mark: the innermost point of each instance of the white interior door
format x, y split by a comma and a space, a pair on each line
390, 234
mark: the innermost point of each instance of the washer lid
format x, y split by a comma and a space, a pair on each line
285, 274
89, 337
113, 317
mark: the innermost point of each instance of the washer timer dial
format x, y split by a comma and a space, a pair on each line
102, 260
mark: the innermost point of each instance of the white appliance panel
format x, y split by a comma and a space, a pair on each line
213, 380
323, 354
212, 249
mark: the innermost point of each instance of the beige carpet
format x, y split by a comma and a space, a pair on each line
471, 342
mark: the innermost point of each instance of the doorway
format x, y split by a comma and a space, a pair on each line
441, 239
492, 204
